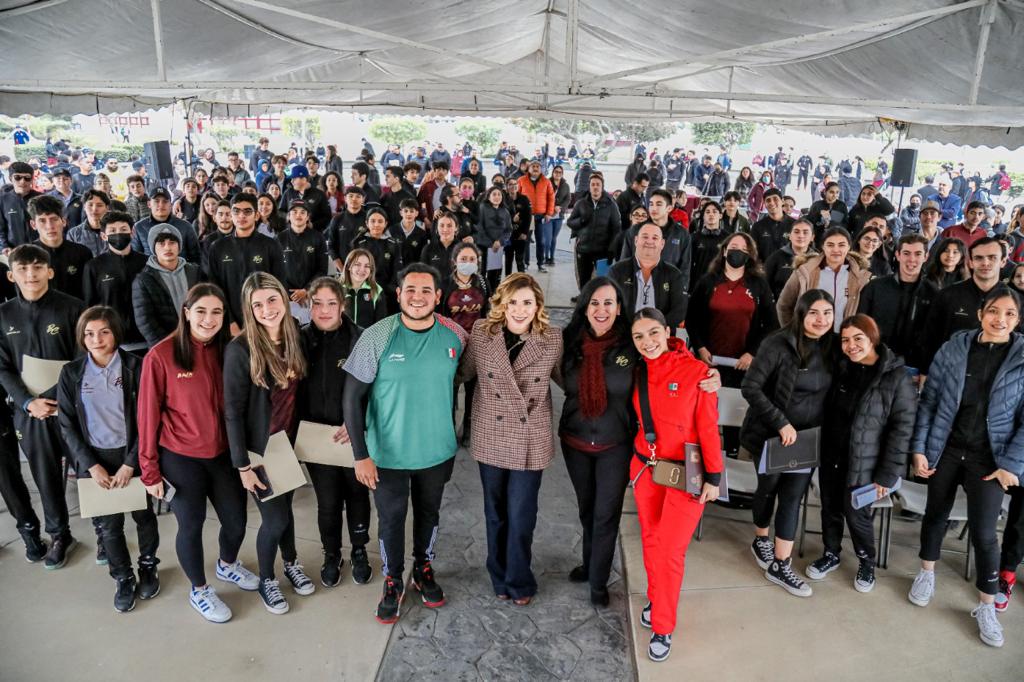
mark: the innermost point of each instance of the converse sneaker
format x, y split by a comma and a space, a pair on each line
1007, 579
301, 583
645, 616
330, 572
273, 599
781, 573
35, 548
208, 604
124, 597
57, 555
659, 648
865, 580
923, 589
819, 568
430, 592
361, 571
764, 551
989, 629
390, 606
149, 578
238, 575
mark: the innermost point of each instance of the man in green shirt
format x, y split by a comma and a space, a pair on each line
405, 365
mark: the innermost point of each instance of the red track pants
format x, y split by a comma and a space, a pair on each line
668, 518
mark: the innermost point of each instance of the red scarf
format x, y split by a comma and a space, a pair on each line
593, 396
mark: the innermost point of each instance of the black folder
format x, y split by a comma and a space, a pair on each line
803, 454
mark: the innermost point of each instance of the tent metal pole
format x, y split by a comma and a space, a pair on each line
158, 40
988, 16
572, 47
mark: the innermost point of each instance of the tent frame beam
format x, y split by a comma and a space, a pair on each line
572, 43
158, 40
988, 16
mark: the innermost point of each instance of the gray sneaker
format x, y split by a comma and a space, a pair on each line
645, 616
923, 589
989, 629
659, 648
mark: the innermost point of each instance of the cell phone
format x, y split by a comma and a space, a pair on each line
261, 474
169, 491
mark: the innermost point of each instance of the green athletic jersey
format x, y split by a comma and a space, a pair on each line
409, 418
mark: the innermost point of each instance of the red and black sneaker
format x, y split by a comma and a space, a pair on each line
1007, 579
430, 592
390, 606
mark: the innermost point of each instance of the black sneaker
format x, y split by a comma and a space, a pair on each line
819, 568
149, 578
430, 592
361, 571
541, 268
330, 572
101, 555
580, 574
645, 616
764, 551
57, 555
865, 580
35, 548
781, 573
273, 599
659, 648
390, 606
124, 597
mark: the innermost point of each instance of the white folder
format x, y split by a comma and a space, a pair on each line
732, 407
315, 443
96, 501
39, 376
283, 469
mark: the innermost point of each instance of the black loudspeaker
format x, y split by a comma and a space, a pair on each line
904, 165
159, 155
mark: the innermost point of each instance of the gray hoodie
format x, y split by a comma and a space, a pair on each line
175, 280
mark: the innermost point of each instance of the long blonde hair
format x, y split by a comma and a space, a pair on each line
371, 280
263, 353
499, 303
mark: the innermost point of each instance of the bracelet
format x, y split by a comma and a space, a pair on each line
248, 468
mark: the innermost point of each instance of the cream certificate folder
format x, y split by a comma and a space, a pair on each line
315, 443
96, 501
38, 375
283, 470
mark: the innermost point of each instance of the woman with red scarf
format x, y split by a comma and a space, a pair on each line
680, 413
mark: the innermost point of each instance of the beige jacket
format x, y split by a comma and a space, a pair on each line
806, 273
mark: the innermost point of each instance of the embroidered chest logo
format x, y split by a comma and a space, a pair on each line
622, 361
226, 259
53, 329
106, 278
184, 375
341, 362
396, 357
451, 353
309, 249
665, 286
72, 269
673, 389
257, 259
12, 330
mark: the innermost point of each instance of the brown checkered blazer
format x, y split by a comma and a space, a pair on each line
512, 421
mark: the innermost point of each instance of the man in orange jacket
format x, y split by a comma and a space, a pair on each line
538, 189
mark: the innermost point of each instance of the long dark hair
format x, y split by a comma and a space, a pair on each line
182, 336
753, 266
796, 327
579, 325
935, 272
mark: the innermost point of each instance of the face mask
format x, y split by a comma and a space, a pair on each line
466, 193
119, 241
766, 179
736, 258
466, 269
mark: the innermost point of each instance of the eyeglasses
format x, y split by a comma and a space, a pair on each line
871, 240
23, 178
242, 211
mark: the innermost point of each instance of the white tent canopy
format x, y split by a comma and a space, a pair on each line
951, 69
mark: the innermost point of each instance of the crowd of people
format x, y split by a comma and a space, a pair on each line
199, 321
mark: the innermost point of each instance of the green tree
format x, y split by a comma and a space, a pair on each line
293, 127
729, 134
398, 130
605, 134
483, 135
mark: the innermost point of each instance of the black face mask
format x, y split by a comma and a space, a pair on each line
736, 258
119, 241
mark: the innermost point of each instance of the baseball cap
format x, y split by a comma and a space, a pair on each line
160, 192
298, 203
299, 172
931, 206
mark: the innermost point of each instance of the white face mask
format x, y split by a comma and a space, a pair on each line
466, 269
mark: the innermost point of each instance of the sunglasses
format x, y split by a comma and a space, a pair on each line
23, 178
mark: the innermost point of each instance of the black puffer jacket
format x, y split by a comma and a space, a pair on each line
768, 389
883, 423
594, 227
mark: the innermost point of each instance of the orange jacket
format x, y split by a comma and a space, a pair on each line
541, 194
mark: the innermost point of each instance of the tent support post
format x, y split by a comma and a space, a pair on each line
158, 39
988, 16
572, 35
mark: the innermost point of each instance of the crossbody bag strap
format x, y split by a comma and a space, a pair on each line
646, 420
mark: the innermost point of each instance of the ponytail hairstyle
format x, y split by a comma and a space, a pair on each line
264, 358
182, 335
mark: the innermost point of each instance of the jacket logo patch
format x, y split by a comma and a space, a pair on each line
257, 259
622, 361
72, 269
309, 249
184, 375
12, 330
396, 357
53, 329
226, 259
665, 286
106, 278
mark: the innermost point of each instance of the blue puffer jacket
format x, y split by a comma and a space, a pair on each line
940, 402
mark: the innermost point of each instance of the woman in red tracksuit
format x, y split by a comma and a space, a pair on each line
681, 413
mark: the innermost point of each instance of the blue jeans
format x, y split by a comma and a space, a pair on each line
542, 235
551, 234
510, 507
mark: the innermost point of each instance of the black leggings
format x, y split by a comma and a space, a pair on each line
984, 500
789, 490
517, 250
599, 479
197, 480
837, 507
277, 529
337, 491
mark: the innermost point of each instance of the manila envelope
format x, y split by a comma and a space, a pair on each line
315, 443
96, 501
283, 470
38, 375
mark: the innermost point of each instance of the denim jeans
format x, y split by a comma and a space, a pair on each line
510, 507
556, 227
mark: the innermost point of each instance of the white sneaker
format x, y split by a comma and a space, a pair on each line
989, 629
923, 589
299, 580
238, 575
209, 605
